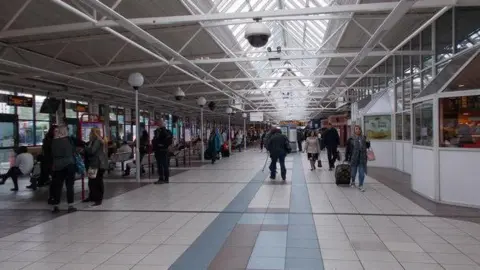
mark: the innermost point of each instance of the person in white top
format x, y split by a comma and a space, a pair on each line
125, 148
312, 147
23, 166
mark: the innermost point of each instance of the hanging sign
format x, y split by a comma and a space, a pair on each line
80, 108
256, 116
19, 101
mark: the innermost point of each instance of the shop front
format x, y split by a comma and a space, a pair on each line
446, 151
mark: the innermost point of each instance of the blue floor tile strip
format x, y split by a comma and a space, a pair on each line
303, 250
202, 252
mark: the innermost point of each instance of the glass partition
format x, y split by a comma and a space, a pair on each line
460, 122
399, 126
423, 123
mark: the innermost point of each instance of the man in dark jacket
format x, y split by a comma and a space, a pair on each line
300, 139
278, 146
160, 144
331, 140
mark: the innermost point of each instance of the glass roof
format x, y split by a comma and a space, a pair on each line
296, 38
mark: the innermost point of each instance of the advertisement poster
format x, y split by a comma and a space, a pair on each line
378, 127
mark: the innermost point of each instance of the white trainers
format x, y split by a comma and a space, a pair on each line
352, 184
361, 188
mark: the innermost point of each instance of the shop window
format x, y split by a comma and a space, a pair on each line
4, 108
423, 123
26, 133
41, 129
398, 126
38, 105
460, 122
399, 97
25, 113
378, 127
407, 130
113, 113
7, 134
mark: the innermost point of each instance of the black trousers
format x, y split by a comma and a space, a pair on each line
299, 146
67, 176
45, 172
332, 156
163, 164
14, 173
96, 187
273, 166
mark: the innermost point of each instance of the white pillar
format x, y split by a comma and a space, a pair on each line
137, 151
245, 133
201, 135
229, 137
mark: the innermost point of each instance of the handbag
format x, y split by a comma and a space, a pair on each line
370, 155
92, 173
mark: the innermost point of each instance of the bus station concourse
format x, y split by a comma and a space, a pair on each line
140, 134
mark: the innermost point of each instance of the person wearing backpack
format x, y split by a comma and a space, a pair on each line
161, 143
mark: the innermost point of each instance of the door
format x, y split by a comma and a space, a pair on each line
8, 140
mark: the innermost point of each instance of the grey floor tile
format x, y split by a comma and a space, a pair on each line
422, 266
266, 263
339, 254
274, 252
369, 245
342, 265
371, 265
375, 256
307, 253
301, 219
304, 264
250, 218
303, 243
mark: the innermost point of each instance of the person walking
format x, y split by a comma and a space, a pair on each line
262, 141
358, 157
300, 139
63, 169
161, 143
214, 145
96, 155
278, 146
312, 147
331, 140
46, 160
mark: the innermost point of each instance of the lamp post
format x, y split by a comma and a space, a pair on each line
201, 101
136, 81
229, 111
244, 115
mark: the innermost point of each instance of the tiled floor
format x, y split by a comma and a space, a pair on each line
232, 216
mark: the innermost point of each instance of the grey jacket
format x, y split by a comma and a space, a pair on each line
96, 156
359, 151
62, 153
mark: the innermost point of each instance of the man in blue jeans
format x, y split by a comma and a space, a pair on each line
278, 146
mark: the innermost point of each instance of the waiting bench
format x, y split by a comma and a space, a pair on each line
118, 158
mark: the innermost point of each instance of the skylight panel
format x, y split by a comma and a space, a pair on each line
293, 37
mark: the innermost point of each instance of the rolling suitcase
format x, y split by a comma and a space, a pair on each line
342, 174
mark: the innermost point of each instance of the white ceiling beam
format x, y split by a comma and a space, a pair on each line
256, 79
162, 47
210, 61
400, 45
392, 19
265, 15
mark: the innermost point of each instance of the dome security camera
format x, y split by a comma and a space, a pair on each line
257, 34
179, 94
